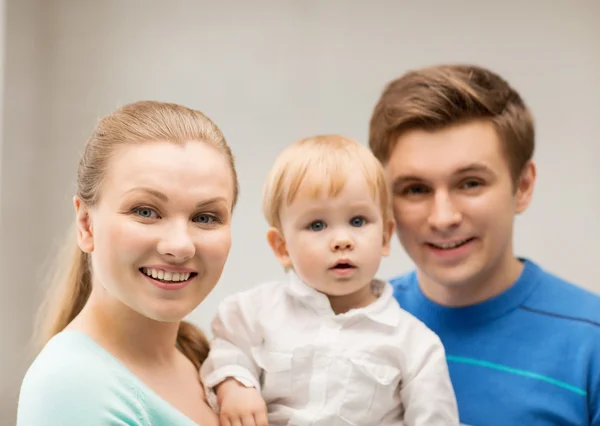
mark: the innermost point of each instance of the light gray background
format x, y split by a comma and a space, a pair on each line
270, 72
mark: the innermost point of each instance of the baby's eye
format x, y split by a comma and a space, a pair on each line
358, 221
145, 212
317, 225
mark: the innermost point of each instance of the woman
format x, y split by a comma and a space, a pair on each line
156, 187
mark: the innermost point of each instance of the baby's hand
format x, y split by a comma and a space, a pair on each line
240, 406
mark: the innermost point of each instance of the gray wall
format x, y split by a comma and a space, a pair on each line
22, 214
268, 73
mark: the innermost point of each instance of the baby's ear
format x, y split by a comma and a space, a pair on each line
277, 243
388, 232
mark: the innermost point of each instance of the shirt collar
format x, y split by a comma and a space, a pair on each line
384, 310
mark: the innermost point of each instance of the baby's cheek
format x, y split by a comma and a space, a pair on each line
310, 262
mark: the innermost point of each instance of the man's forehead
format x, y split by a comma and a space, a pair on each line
445, 152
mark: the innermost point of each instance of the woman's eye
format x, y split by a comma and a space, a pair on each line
145, 212
358, 222
205, 219
317, 225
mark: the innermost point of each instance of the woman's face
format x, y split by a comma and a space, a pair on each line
160, 233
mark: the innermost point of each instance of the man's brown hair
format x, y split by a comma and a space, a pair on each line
441, 96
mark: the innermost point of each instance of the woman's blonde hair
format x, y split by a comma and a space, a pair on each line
321, 165
135, 123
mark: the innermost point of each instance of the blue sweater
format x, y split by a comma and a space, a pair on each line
75, 382
530, 356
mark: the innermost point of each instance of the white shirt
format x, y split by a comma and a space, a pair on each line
372, 366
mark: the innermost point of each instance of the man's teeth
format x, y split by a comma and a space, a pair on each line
450, 245
165, 275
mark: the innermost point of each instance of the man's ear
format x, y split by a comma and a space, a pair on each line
388, 232
525, 186
85, 229
277, 243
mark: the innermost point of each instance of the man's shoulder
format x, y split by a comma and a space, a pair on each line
405, 290
561, 298
404, 281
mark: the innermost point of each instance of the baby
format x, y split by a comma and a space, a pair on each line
328, 346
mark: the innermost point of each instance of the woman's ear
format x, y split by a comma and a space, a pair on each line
85, 229
277, 243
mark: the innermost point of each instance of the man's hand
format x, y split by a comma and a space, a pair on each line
240, 406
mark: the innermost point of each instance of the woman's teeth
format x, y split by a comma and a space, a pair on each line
165, 275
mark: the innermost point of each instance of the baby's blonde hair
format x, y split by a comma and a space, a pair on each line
321, 165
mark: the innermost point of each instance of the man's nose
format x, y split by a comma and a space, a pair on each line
444, 215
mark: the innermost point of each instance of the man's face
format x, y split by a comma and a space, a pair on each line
455, 202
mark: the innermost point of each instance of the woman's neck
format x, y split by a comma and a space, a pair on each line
127, 334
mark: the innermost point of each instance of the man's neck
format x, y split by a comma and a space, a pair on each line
125, 333
488, 284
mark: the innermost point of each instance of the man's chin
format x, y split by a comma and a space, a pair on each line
453, 277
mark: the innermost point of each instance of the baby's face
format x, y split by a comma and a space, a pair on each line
335, 244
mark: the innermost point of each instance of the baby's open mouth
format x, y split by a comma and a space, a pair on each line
343, 265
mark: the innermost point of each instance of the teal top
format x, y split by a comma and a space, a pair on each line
75, 382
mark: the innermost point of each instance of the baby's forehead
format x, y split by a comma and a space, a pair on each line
334, 194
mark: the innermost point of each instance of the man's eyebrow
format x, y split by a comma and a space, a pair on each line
407, 178
469, 168
474, 167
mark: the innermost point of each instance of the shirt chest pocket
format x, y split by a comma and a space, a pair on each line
276, 377
372, 392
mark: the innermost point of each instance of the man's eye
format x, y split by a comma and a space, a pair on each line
471, 183
416, 190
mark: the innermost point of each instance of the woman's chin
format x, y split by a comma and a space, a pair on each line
168, 314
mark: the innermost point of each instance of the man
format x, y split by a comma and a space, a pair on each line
523, 346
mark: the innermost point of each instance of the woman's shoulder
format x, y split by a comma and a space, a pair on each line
69, 359
74, 381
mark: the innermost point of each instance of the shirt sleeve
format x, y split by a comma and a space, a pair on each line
594, 388
235, 334
427, 393
71, 393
